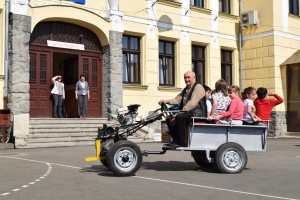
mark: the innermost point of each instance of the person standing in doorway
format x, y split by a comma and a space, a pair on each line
58, 93
82, 95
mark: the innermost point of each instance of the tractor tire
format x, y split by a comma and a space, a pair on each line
231, 158
103, 159
201, 159
124, 158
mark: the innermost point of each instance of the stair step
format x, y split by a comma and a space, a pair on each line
61, 130
63, 134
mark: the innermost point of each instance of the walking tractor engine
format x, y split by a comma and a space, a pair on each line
127, 115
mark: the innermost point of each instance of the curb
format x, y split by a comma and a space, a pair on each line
6, 146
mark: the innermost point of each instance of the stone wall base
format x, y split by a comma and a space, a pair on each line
21, 129
278, 126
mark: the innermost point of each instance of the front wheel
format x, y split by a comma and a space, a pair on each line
231, 158
124, 158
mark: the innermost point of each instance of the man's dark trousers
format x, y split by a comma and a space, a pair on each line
177, 127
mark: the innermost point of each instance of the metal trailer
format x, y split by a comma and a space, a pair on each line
211, 145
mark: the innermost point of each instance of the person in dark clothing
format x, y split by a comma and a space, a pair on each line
192, 103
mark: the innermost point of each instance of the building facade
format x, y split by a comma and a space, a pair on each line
137, 52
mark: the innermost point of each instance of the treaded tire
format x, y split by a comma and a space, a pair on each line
231, 158
124, 158
104, 162
201, 159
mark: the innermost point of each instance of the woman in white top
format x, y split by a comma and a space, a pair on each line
58, 93
249, 94
82, 94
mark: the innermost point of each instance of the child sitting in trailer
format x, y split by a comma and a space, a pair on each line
220, 98
264, 105
209, 101
249, 117
236, 107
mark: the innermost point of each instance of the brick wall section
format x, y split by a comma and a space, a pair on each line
18, 80
112, 74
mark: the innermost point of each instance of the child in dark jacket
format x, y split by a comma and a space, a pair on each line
264, 105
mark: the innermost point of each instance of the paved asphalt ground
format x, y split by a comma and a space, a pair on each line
60, 173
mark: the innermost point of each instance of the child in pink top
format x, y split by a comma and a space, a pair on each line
236, 107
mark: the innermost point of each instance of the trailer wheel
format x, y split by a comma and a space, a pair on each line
201, 159
103, 157
124, 158
231, 158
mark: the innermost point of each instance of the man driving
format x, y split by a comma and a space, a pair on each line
192, 104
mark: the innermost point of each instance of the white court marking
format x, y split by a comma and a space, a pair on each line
32, 182
167, 181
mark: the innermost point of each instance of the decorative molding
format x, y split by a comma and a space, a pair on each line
201, 10
270, 33
172, 3
169, 88
180, 28
228, 16
19, 7
135, 87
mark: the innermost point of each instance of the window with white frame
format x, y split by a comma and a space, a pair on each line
294, 7
198, 63
166, 63
197, 3
225, 6
131, 59
226, 66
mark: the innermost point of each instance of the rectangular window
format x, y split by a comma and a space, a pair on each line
197, 3
224, 6
166, 63
198, 63
131, 59
294, 7
32, 69
226, 66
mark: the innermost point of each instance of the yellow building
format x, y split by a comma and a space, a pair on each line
137, 52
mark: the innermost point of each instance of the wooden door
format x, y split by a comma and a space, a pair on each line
293, 98
90, 66
40, 84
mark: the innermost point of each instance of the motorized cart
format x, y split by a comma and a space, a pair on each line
211, 145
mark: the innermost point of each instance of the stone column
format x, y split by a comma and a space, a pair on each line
18, 78
278, 126
112, 74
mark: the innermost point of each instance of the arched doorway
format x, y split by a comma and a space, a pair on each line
58, 48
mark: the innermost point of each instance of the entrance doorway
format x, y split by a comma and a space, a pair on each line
66, 65
293, 97
81, 54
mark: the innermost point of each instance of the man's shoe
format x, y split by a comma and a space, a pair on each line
174, 145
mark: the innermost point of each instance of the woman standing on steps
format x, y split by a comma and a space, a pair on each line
58, 94
82, 94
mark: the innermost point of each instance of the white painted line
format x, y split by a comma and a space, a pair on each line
42, 177
15, 190
31, 183
25, 186
173, 182
37, 180
4, 194
213, 188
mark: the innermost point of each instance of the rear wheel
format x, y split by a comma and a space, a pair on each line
201, 159
231, 158
124, 158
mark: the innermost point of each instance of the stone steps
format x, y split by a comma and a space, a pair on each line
61, 132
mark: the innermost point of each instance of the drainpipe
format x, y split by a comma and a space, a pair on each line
6, 53
240, 46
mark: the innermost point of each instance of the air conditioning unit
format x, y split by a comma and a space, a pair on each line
249, 18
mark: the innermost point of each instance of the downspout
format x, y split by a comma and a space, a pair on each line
6, 53
240, 46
